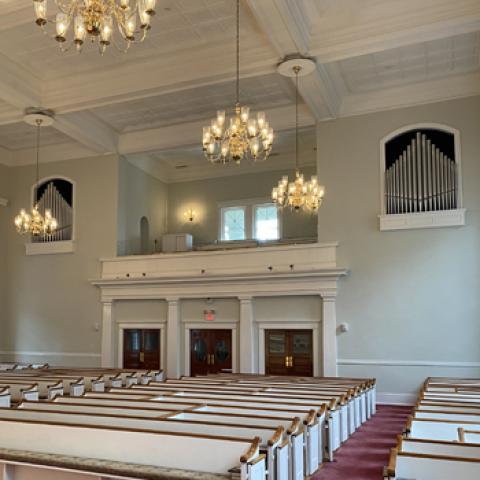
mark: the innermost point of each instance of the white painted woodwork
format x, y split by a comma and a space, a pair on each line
247, 341
108, 335
173, 338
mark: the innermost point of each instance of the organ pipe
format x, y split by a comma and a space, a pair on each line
421, 179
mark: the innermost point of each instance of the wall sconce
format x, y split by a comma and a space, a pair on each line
189, 215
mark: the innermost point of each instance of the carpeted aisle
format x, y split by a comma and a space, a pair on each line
366, 452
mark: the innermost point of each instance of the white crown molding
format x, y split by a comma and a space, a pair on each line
51, 153
406, 363
431, 91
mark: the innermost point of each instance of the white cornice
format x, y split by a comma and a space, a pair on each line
431, 91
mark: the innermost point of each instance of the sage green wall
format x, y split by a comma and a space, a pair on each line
139, 195
203, 196
412, 296
4, 211
52, 306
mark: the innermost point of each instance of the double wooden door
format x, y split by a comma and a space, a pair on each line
289, 352
210, 351
141, 349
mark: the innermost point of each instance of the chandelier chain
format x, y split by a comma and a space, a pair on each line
39, 124
297, 167
238, 54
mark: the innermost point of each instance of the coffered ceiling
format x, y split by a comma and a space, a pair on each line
152, 102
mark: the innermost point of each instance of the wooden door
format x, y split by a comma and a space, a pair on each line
210, 351
141, 349
289, 352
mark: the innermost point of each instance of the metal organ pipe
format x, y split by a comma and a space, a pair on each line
421, 179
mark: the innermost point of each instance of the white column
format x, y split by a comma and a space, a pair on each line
108, 335
329, 334
173, 338
247, 359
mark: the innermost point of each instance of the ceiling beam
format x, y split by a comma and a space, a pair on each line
286, 28
186, 134
88, 130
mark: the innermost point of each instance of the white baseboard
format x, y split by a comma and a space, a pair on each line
396, 398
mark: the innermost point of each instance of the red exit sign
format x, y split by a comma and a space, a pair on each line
209, 315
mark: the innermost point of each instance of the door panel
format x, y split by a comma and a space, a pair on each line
210, 351
289, 352
141, 349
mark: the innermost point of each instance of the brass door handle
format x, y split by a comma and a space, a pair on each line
212, 359
142, 357
208, 359
289, 361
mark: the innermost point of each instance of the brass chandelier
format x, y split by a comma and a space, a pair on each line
34, 223
243, 137
96, 20
298, 194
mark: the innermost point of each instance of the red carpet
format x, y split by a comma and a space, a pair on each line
366, 452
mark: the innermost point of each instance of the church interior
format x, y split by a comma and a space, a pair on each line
239, 239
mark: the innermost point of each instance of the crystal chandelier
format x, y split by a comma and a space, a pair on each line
298, 194
244, 137
96, 20
35, 223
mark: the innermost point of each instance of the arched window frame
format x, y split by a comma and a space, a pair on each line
55, 247
433, 219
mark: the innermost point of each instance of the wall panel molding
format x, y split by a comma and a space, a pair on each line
407, 363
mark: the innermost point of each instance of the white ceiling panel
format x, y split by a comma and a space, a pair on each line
414, 63
260, 93
19, 136
178, 25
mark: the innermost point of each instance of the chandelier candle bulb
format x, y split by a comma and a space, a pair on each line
62, 24
99, 19
40, 12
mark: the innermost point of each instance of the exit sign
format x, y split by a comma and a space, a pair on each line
209, 315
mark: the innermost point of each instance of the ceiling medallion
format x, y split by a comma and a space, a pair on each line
96, 20
34, 223
243, 137
298, 194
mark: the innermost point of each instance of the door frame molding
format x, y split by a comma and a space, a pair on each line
315, 327
142, 326
210, 326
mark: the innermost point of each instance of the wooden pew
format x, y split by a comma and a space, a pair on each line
5, 396
47, 388
419, 466
210, 453
21, 391
271, 436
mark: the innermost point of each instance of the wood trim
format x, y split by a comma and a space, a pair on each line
436, 420
252, 451
311, 418
277, 436
392, 462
